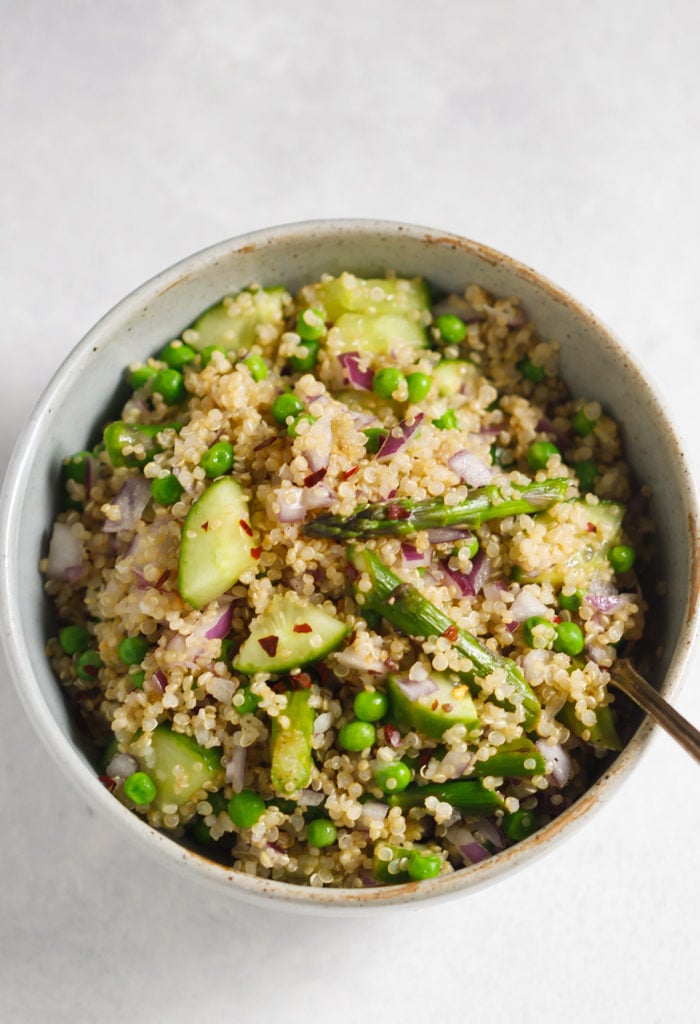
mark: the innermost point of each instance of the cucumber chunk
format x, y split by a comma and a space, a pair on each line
350, 294
287, 635
450, 376
592, 546
434, 712
290, 748
181, 767
233, 322
217, 543
376, 334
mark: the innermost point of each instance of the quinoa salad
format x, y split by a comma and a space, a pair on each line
339, 593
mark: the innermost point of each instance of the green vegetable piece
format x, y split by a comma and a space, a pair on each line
545, 637
166, 490
603, 733
393, 869
586, 473
375, 439
581, 424
519, 825
140, 788
74, 639
321, 832
200, 832
448, 421
370, 705
88, 665
419, 385
206, 354
257, 367
386, 381
531, 371
539, 454
356, 736
233, 322
143, 437
622, 558
470, 796
423, 865
482, 505
133, 649
376, 296
516, 759
217, 460
177, 355
250, 701
310, 325
286, 405
137, 679
170, 385
293, 427
593, 541
392, 777
290, 745
218, 544
75, 467
571, 602
433, 713
181, 767
452, 329
245, 808
306, 358
140, 376
569, 638
377, 334
287, 635
451, 376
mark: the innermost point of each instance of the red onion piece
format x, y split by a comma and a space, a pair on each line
470, 468
545, 426
604, 597
373, 810
472, 583
354, 375
448, 534
310, 798
414, 559
159, 681
65, 553
414, 688
317, 443
222, 625
131, 500
494, 590
398, 437
235, 768
319, 496
74, 573
475, 852
456, 762
560, 761
526, 605
489, 832
291, 505
221, 689
122, 766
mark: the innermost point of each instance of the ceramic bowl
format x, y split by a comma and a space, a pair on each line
82, 395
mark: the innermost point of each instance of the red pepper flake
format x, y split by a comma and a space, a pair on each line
302, 680
302, 627
392, 735
108, 782
162, 580
447, 707
451, 634
314, 478
255, 552
434, 706
205, 526
279, 687
350, 472
246, 527
590, 527
269, 645
397, 512
424, 758
557, 619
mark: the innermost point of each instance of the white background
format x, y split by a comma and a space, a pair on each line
566, 134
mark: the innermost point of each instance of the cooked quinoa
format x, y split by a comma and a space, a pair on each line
339, 593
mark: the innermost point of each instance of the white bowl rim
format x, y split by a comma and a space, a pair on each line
279, 894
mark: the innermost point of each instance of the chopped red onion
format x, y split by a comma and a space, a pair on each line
475, 852
560, 761
235, 768
310, 798
399, 436
494, 590
65, 552
414, 688
74, 573
470, 584
222, 625
159, 681
604, 597
319, 496
291, 504
600, 655
448, 534
470, 468
545, 426
489, 832
464, 840
354, 375
122, 766
317, 444
526, 605
221, 689
131, 500
456, 762
373, 810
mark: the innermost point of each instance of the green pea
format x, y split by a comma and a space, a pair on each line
569, 638
137, 679
581, 424
140, 376
451, 328
371, 617
370, 705
571, 602
75, 467
310, 325
531, 371
176, 355
166, 489
423, 865
622, 557
306, 357
200, 832
87, 665
74, 639
357, 736
586, 473
206, 353
245, 808
249, 703
470, 544
170, 385
321, 832
293, 427
286, 405
217, 460
519, 825
528, 631
539, 454
448, 421
419, 385
257, 367
386, 381
392, 777
132, 649
140, 788
375, 439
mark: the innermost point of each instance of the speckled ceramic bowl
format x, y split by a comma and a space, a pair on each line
81, 396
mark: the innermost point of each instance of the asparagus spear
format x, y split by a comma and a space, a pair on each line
290, 748
403, 516
405, 607
518, 759
470, 796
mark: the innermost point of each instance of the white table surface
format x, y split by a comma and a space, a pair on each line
566, 134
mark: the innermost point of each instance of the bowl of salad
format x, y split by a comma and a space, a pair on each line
320, 550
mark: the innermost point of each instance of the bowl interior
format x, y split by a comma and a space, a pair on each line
83, 395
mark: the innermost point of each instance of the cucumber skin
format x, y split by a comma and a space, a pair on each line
419, 716
375, 334
202, 764
291, 760
217, 326
286, 613
350, 294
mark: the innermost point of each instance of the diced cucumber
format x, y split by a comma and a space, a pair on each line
591, 547
181, 767
434, 712
290, 748
232, 322
450, 376
289, 633
350, 294
602, 734
217, 543
377, 334
367, 401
